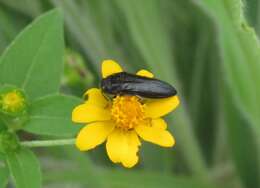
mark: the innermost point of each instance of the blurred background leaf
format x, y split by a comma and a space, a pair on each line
240, 50
25, 7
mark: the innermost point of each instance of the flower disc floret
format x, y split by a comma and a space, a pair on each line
127, 111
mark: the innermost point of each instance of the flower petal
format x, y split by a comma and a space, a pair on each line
159, 123
145, 73
110, 67
159, 107
86, 113
93, 134
94, 96
122, 146
155, 135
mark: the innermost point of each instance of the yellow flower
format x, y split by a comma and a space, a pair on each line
12, 101
121, 122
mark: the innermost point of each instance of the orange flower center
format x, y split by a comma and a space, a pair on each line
127, 111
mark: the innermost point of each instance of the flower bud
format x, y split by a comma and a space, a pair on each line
12, 101
8, 142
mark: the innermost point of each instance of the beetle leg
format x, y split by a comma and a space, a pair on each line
108, 97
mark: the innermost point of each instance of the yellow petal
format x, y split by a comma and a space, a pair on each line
159, 123
159, 107
110, 67
93, 134
155, 135
94, 96
122, 147
145, 73
86, 113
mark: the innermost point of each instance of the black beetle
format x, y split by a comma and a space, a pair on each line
130, 84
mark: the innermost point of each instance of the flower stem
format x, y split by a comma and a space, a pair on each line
48, 143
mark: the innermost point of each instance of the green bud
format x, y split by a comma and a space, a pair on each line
8, 142
77, 76
13, 107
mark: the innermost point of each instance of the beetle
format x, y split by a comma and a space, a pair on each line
124, 83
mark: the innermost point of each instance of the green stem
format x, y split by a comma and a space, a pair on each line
48, 143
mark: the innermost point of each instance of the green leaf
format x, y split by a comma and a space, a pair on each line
241, 57
196, 52
30, 8
144, 24
33, 61
142, 179
51, 115
2, 125
128, 179
4, 174
85, 32
252, 13
81, 164
241, 54
24, 168
8, 32
243, 144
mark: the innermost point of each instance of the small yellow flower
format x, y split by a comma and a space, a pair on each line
12, 101
122, 121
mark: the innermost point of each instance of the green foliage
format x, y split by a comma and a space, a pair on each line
30, 8
76, 76
51, 115
4, 174
2, 125
198, 68
241, 66
147, 179
24, 168
30, 57
32, 67
205, 48
8, 142
246, 161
